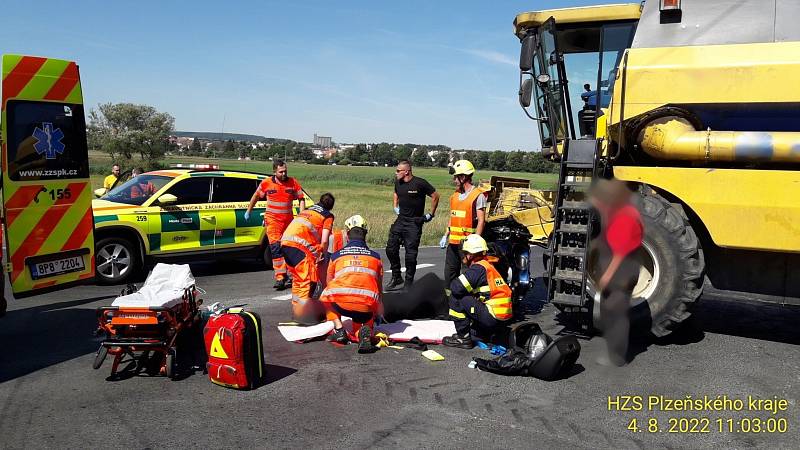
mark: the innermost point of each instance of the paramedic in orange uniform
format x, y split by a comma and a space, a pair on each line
141, 188
281, 191
354, 279
303, 250
336, 242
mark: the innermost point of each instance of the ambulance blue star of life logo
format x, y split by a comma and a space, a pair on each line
48, 141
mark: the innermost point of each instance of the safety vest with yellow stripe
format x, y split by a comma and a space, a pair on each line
356, 273
305, 230
495, 294
463, 215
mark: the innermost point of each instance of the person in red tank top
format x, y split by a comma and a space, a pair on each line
621, 236
280, 190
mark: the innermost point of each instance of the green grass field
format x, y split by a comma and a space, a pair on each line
358, 190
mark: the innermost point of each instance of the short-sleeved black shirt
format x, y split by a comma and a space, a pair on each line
412, 195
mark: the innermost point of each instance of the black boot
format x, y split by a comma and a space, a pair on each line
458, 341
396, 280
339, 336
365, 340
280, 284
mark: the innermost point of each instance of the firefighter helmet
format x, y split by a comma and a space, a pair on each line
462, 167
355, 221
473, 244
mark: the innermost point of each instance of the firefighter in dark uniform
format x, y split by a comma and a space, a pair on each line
409, 205
479, 298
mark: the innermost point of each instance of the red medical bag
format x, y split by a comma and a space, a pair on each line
234, 348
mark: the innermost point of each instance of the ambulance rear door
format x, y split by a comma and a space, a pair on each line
46, 191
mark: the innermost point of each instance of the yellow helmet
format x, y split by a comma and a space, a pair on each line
474, 243
355, 221
462, 167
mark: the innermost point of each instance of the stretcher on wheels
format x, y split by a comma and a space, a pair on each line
148, 321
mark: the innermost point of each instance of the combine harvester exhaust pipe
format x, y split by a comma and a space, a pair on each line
672, 138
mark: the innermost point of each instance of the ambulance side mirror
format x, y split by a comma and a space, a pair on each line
167, 199
100, 192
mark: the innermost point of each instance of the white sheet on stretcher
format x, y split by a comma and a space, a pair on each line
431, 331
164, 287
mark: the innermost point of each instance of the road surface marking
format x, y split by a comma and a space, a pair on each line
283, 297
419, 266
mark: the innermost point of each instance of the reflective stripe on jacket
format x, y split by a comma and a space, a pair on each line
355, 274
305, 230
280, 196
495, 293
463, 216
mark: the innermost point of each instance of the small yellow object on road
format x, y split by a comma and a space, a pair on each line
432, 355
383, 340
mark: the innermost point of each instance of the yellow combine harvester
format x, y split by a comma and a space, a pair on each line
696, 104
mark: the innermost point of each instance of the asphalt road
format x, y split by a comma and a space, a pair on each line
321, 396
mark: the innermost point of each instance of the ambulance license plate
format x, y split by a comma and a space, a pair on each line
57, 267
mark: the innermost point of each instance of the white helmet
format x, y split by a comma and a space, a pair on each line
355, 221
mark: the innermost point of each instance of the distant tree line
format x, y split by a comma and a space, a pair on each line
127, 132
293, 151
441, 156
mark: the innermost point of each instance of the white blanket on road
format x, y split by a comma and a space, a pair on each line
431, 331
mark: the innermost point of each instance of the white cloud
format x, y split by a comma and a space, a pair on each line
491, 55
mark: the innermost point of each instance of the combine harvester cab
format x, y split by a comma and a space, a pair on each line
47, 215
694, 104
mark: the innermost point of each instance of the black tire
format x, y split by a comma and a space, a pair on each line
170, 369
678, 262
99, 357
111, 271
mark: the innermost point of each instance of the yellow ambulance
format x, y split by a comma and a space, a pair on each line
188, 214
46, 194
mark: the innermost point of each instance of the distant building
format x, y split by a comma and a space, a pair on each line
182, 142
322, 141
326, 153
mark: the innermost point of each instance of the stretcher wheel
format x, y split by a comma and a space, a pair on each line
99, 357
169, 367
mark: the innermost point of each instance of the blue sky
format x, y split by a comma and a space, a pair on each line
434, 72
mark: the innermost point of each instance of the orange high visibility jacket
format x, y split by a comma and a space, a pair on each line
305, 230
355, 274
463, 215
337, 241
279, 197
495, 293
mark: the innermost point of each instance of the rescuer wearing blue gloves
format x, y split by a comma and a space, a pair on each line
409, 205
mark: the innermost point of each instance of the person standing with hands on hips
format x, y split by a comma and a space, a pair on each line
467, 216
409, 205
280, 190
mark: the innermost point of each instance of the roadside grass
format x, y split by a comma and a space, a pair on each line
358, 190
